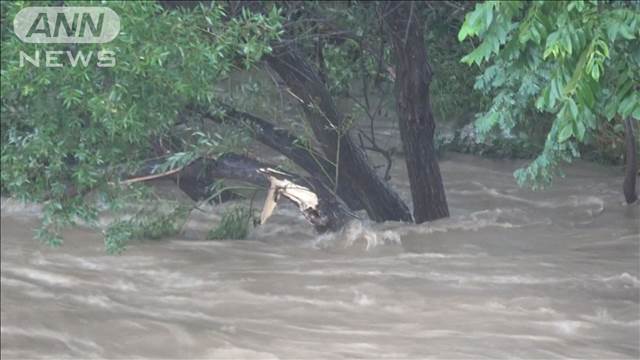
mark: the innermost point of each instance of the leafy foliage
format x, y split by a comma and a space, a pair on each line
144, 225
556, 77
72, 129
452, 100
569, 64
465, 141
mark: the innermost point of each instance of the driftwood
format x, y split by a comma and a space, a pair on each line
317, 203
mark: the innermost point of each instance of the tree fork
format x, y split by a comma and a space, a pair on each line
287, 144
304, 83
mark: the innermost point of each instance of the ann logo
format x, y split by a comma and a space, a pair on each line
73, 24
41, 25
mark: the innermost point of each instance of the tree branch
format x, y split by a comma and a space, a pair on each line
323, 210
313, 162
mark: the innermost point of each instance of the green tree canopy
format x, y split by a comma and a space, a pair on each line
75, 127
575, 63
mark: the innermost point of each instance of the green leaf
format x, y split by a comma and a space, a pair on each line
565, 133
595, 73
628, 104
543, 100
573, 108
485, 123
611, 108
636, 112
465, 31
580, 130
554, 93
586, 95
626, 32
589, 119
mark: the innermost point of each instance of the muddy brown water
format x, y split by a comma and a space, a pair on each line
512, 273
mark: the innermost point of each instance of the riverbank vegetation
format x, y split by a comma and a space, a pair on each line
198, 88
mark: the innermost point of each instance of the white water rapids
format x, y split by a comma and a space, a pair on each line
513, 273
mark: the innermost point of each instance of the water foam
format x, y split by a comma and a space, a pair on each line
357, 234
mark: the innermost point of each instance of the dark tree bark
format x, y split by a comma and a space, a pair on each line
416, 122
288, 145
195, 184
631, 173
304, 83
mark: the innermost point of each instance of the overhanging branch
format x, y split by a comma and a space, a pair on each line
281, 140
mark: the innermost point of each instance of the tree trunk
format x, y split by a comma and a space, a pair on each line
416, 122
380, 201
629, 186
290, 146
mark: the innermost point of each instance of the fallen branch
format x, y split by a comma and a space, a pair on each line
149, 177
317, 203
290, 146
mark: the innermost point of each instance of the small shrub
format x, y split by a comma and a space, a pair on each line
144, 226
234, 225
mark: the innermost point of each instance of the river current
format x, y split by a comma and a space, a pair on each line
513, 273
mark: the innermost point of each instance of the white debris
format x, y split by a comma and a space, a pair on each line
300, 195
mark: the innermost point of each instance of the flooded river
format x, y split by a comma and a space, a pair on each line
512, 273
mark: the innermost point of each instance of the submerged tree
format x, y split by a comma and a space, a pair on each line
576, 62
73, 130
82, 138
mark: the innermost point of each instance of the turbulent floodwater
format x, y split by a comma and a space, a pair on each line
512, 273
